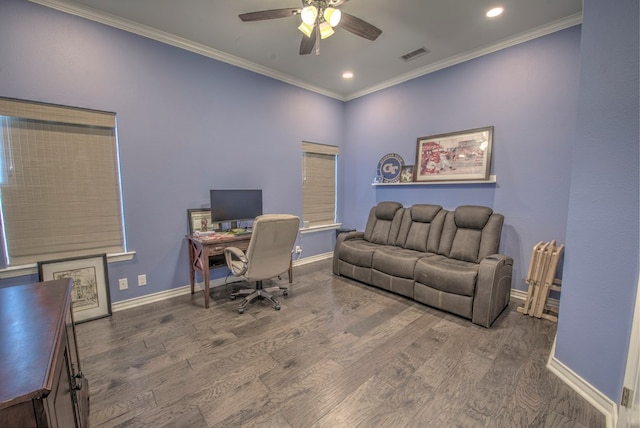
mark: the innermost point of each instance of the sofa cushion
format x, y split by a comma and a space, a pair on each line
402, 286
396, 261
383, 223
450, 275
450, 302
470, 233
472, 216
357, 252
421, 227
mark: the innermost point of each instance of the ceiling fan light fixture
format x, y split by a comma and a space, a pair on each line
332, 16
326, 30
309, 15
306, 29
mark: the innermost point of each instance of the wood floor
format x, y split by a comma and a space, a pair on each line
338, 354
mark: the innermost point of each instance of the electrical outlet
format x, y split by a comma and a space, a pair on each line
142, 280
298, 249
123, 284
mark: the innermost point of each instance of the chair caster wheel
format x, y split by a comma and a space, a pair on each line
277, 307
240, 310
285, 293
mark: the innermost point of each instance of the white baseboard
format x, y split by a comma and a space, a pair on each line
313, 259
186, 289
587, 391
167, 294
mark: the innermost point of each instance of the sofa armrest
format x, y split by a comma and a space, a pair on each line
493, 289
339, 240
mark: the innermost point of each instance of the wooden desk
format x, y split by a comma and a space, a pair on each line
202, 247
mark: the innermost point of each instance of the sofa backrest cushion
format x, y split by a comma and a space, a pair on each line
471, 233
383, 223
421, 228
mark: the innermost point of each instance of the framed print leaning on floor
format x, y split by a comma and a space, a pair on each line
456, 156
90, 292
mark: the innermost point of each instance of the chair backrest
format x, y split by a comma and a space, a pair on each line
421, 228
471, 233
383, 223
272, 240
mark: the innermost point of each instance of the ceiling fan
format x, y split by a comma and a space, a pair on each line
319, 17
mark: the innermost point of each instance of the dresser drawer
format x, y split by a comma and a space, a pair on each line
218, 248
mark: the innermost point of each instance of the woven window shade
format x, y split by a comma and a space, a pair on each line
60, 186
319, 183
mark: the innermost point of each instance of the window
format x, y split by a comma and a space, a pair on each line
60, 192
319, 182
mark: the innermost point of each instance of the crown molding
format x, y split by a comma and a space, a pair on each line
544, 30
179, 42
200, 49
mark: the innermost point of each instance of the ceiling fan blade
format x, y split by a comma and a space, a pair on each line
307, 43
269, 14
359, 27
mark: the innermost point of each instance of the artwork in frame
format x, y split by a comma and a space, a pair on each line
456, 156
90, 291
406, 176
200, 220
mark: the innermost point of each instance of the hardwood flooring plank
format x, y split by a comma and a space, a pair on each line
296, 357
123, 410
203, 389
339, 353
357, 407
379, 335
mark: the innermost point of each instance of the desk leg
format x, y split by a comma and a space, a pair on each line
205, 278
192, 270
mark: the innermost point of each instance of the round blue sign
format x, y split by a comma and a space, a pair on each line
390, 167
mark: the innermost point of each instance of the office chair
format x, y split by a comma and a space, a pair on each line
268, 256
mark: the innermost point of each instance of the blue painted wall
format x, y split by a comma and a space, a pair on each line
528, 92
601, 264
186, 124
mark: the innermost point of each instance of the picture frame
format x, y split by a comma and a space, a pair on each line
455, 156
406, 175
200, 220
90, 293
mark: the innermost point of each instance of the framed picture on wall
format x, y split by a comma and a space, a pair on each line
456, 156
200, 220
90, 292
406, 175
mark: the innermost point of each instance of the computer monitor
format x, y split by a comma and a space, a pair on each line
231, 206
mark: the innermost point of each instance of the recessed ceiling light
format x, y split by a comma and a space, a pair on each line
496, 11
347, 75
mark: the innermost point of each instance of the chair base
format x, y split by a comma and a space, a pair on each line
252, 294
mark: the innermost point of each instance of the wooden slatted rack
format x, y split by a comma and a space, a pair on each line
541, 279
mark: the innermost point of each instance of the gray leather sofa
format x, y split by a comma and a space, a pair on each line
445, 259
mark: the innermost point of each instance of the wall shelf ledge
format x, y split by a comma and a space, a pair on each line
492, 179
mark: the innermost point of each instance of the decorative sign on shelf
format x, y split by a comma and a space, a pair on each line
390, 168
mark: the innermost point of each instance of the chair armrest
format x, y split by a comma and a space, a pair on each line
233, 255
493, 289
339, 240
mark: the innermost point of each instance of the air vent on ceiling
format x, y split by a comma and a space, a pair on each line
415, 54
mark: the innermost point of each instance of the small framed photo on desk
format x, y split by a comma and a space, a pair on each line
200, 220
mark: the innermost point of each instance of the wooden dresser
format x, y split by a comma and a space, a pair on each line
41, 381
